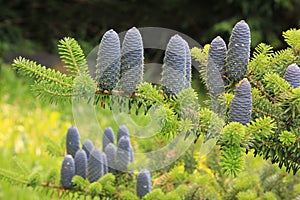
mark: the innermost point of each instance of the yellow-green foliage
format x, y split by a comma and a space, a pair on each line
95, 188
127, 195
292, 37
155, 194
231, 154
247, 195
200, 54
269, 196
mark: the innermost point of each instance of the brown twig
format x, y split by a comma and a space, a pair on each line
262, 89
265, 113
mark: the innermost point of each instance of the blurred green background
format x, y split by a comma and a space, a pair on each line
25, 24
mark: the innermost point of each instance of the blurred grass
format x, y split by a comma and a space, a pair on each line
26, 124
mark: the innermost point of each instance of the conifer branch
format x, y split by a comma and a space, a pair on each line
54, 149
31, 69
20, 165
12, 177
261, 88
265, 113
260, 128
277, 85
292, 37
72, 55
59, 94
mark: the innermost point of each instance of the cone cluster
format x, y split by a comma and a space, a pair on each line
228, 64
120, 68
91, 163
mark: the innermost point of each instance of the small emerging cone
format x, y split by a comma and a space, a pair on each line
238, 53
123, 156
122, 131
108, 61
241, 105
80, 163
111, 151
95, 166
67, 172
105, 164
292, 75
108, 137
131, 154
88, 147
72, 141
143, 183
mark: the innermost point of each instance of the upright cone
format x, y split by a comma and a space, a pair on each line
238, 53
241, 105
